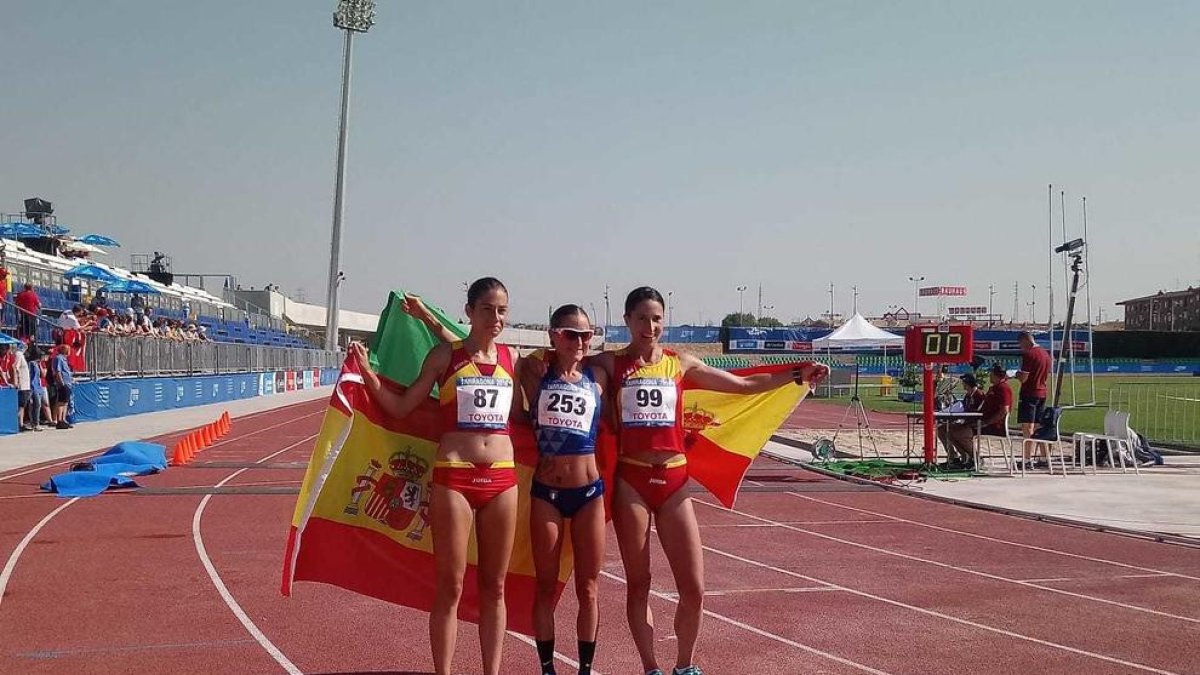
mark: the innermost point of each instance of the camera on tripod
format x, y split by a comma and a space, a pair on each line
1070, 246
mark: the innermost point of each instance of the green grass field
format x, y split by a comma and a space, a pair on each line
1166, 408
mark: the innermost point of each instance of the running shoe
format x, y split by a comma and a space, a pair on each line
656, 671
690, 670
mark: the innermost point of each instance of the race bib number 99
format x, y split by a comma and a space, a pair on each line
566, 407
648, 402
483, 402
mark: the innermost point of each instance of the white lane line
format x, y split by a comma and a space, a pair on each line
6, 574
1112, 578
93, 453
760, 632
558, 655
1008, 542
233, 605
956, 568
940, 615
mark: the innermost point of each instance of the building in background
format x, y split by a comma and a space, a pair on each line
1174, 311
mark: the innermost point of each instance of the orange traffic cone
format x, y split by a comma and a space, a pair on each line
179, 455
226, 422
206, 436
189, 447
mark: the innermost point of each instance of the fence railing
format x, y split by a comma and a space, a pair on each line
1160, 411
126, 356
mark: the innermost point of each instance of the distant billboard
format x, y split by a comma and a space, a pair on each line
942, 291
967, 311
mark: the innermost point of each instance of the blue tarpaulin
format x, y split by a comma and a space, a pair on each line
114, 468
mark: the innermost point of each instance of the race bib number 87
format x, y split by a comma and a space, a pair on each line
483, 402
648, 402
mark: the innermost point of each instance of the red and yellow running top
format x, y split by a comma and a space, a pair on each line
650, 402
477, 396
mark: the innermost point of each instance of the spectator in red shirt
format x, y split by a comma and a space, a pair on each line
997, 402
31, 306
958, 436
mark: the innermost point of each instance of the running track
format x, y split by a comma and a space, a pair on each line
807, 575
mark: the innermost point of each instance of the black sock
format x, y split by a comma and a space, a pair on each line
587, 651
545, 650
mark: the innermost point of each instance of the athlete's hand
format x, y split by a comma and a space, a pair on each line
358, 353
414, 307
811, 373
536, 367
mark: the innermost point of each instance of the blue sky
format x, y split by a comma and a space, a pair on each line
561, 146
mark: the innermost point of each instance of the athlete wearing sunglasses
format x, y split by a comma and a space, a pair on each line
565, 404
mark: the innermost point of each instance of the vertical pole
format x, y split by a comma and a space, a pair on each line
335, 246
927, 409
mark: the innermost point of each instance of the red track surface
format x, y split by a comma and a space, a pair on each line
807, 575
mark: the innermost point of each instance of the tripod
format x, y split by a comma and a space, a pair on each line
861, 420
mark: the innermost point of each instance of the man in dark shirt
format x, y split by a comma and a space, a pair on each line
1035, 370
997, 403
958, 436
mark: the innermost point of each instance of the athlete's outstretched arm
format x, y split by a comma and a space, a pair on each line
414, 307
708, 377
400, 404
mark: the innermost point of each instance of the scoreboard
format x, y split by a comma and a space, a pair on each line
943, 343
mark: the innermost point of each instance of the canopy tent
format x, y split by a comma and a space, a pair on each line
858, 333
91, 271
98, 240
130, 286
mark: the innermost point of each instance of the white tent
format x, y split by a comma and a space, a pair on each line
858, 333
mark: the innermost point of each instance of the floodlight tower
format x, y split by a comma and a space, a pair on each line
351, 16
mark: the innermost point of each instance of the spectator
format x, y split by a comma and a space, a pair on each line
47, 389
6, 366
20, 378
1035, 369
63, 382
958, 436
31, 306
70, 320
37, 388
997, 403
137, 303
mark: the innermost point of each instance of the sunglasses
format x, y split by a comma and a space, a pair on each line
573, 333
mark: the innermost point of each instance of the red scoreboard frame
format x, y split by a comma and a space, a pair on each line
939, 343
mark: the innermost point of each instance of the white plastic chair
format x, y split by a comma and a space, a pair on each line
1116, 434
1006, 451
1051, 446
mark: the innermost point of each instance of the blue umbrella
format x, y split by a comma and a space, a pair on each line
58, 229
99, 240
8, 340
130, 286
21, 231
91, 271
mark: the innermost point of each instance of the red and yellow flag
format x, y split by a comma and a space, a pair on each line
725, 432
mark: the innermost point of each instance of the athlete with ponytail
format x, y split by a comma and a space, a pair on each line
474, 476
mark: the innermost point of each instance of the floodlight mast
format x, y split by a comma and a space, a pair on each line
351, 16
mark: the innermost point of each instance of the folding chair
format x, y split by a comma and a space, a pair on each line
1006, 451
1047, 436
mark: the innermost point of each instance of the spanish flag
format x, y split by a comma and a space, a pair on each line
725, 432
362, 518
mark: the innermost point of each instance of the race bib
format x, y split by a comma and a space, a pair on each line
564, 406
648, 402
483, 402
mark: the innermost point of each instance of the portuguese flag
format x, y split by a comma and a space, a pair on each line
362, 517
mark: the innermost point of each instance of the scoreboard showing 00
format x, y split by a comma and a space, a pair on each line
953, 343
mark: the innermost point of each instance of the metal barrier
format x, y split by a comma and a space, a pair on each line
1160, 411
128, 356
